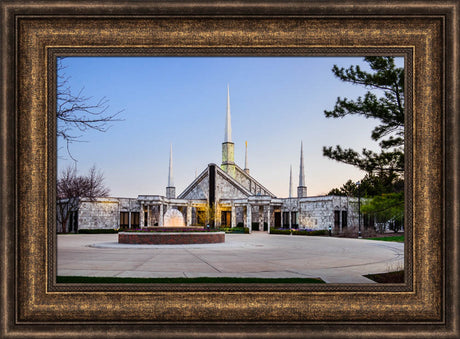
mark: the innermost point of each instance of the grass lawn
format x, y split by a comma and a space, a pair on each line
396, 238
207, 280
396, 277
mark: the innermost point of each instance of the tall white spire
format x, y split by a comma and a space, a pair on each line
301, 189
228, 147
170, 174
170, 189
228, 122
301, 170
290, 182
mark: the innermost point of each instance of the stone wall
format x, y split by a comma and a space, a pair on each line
103, 213
129, 204
318, 212
316, 215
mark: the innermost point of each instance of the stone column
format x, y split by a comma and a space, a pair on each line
148, 215
261, 218
129, 214
189, 215
268, 218
233, 216
249, 217
141, 215
217, 215
290, 219
160, 217
299, 214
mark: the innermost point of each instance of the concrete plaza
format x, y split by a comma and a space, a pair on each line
335, 260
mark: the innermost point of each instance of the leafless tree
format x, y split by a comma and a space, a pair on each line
78, 113
71, 187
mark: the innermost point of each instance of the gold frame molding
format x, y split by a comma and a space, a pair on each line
33, 304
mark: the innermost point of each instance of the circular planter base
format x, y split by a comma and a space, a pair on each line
170, 238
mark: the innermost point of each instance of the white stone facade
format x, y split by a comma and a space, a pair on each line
222, 196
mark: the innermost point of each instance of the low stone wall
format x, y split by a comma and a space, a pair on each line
166, 238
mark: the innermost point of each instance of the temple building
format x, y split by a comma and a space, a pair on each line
219, 196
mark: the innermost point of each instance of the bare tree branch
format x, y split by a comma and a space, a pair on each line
77, 112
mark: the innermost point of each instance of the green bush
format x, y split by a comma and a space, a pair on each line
305, 232
297, 232
97, 231
235, 229
279, 231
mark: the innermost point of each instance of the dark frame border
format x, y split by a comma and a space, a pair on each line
53, 53
29, 306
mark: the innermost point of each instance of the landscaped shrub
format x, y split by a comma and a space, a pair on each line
368, 232
309, 232
235, 229
350, 232
297, 232
97, 231
279, 231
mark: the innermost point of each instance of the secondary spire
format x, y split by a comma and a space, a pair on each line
246, 168
228, 121
170, 174
301, 171
301, 189
170, 189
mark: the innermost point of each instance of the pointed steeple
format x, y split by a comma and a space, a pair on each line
290, 182
301, 170
170, 174
228, 160
246, 168
228, 121
301, 189
170, 189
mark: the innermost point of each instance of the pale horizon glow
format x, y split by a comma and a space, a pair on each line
276, 102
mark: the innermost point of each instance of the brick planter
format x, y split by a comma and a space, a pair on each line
167, 238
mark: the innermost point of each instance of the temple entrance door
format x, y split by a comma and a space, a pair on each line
277, 219
336, 221
285, 219
226, 219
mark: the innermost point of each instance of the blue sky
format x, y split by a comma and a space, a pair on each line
275, 103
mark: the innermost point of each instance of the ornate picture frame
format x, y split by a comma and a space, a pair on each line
33, 304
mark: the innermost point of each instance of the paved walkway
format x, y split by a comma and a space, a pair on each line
335, 260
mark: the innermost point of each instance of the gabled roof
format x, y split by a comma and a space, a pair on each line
204, 174
194, 183
249, 177
233, 182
